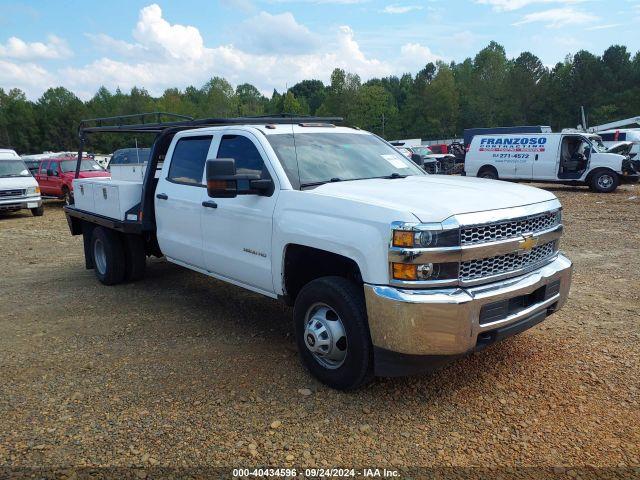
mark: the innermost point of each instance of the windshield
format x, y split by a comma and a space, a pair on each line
85, 166
598, 145
314, 158
13, 168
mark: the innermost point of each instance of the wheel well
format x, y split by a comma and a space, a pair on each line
484, 168
597, 170
303, 264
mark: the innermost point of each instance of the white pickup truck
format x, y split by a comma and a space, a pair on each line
390, 271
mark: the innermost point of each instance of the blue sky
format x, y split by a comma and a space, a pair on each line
274, 43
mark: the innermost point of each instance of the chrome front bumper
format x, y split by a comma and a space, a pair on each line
20, 203
446, 322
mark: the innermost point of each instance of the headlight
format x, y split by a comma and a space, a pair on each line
33, 190
426, 236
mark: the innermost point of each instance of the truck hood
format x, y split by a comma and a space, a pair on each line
434, 198
621, 148
10, 183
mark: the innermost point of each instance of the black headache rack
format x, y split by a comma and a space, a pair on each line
155, 123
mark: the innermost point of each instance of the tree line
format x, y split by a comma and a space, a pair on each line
439, 101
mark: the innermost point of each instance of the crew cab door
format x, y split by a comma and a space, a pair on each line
237, 231
179, 196
41, 177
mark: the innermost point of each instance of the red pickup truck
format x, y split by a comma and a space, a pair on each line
55, 176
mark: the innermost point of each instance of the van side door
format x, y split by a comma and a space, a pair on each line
237, 232
179, 195
546, 159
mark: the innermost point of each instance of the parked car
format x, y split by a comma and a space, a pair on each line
55, 176
18, 189
390, 271
572, 158
129, 163
434, 162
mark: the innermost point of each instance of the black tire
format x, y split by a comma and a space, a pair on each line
347, 300
488, 172
67, 196
111, 269
604, 181
135, 257
38, 211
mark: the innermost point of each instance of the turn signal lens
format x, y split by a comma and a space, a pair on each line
37, 189
404, 271
403, 238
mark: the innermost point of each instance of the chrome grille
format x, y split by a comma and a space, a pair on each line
488, 267
509, 229
11, 193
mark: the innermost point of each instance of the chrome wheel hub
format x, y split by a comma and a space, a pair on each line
99, 256
325, 336
605, 181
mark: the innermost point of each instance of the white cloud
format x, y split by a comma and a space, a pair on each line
558, 17
28, 77
395, 9
280, 33
166, 55
177, 41
105, 43
414, 57
604, 27
55, 48
511, 5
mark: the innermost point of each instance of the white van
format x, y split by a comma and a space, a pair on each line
571, 158
18, 189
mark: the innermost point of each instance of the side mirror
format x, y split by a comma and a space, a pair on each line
417, 159
221, 178
224, 182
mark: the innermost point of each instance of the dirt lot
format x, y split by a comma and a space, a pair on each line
184, 371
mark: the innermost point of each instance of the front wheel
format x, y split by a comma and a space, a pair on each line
332, 332
38, 211
604, 181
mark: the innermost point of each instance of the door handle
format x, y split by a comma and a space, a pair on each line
209, 204
162, 196
536, 157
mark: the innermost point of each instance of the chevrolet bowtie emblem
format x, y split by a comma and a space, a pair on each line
527, 243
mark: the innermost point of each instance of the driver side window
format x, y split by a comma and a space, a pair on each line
244, 152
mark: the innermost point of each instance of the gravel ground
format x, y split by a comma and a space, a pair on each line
181, 370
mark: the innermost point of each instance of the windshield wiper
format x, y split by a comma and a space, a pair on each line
395, 175
315, 184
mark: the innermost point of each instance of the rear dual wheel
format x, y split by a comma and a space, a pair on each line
116, 257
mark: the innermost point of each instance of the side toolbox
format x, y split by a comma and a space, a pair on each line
108, 198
